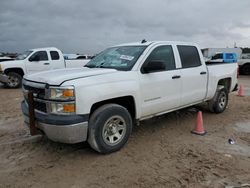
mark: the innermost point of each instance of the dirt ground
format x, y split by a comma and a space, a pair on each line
161, 152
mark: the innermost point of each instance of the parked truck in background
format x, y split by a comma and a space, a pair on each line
77, 56
223, 58
33, 61
208, 53
122, 85
216, 55
5, 58
244, 64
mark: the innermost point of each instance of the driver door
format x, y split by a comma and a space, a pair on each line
160, 90
38, 62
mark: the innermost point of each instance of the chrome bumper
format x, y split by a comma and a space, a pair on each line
3, 78
71, 134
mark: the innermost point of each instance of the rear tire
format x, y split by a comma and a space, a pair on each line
15, 80
219, 102
109, 128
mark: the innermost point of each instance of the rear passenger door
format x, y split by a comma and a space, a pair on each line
160, 91
193, 75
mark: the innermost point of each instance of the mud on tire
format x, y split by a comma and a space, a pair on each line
109, 128
219, 102
15, 80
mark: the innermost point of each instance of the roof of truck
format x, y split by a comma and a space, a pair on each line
45, 48
147, 43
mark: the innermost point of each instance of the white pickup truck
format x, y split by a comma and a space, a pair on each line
32, 61
121, 86
244, 64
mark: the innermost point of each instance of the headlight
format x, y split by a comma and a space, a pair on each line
62, 93
62, 100
62, 108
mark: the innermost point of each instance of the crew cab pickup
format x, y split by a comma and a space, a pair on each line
32, 61
121, 86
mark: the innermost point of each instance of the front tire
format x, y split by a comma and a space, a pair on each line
109, 128
219, 103
14, 81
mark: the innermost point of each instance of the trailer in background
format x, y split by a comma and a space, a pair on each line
208, 53
216, 54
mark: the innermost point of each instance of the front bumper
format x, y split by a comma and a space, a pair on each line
65, 129
3, 78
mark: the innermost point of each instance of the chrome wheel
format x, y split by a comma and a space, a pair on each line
114, 130
13, 81
222, 100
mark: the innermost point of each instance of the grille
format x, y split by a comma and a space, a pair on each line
40, 106
39, 93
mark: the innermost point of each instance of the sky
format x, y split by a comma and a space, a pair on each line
87, 27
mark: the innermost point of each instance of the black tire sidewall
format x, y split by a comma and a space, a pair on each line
97, 124
217, 108
19, 77
245, 69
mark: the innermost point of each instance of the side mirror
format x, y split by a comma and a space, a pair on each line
154, 66
35, 58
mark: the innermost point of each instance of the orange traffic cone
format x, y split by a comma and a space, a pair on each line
199, 129
241, 91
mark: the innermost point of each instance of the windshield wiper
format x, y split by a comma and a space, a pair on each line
99, 66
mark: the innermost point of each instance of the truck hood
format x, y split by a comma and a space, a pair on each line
11, 63
57, 77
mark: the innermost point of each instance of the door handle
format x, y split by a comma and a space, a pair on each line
46, 63
203, 72
176, 76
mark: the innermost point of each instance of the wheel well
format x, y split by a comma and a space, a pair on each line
245, 64
243, 67
16, 70
248, 63
126, 101
226, 82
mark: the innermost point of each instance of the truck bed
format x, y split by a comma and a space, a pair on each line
218, 71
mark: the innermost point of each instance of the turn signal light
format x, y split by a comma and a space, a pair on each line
68, 93
69, 108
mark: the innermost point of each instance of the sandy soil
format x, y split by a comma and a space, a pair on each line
160, 153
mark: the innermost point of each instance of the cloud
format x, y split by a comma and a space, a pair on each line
90, 26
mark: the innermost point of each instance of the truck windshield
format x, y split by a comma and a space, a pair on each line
23, 55
120, 58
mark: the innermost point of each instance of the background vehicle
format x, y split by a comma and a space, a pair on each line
209, 52
33, 61
244, 64
5, 58
122, 85
223, 58
84, 57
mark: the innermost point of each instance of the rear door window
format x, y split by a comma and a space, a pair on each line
54, 55
189, 56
